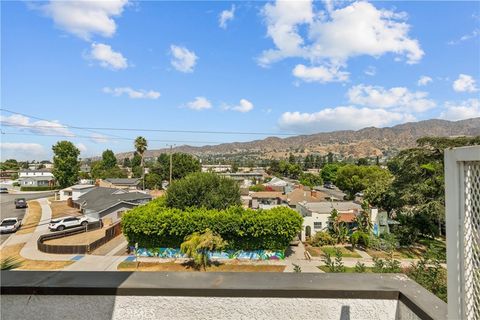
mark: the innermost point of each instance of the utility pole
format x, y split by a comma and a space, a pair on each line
171, 153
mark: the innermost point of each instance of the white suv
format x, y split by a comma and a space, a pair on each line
68, 222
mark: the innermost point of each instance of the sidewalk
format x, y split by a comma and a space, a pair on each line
297, 257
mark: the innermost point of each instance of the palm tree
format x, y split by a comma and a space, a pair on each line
197, 246
141, 147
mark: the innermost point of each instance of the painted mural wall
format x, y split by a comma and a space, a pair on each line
229, 254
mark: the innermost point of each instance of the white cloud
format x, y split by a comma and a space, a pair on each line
370, 71
132, 93
336, 35
340, 118
465, 83
86, 18
108, 58
244, 106
461, 110
98, 138
183, 59
319, 74
81, 147
24, 148
225, 16
475, 33
424, 80
399, 99
200, 103
39, 127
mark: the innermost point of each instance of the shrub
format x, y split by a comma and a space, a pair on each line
388, 265
154, 225
360, 267
334, 265
36, 188
430, 275
321, 239
360, 238
203, 189
257, 188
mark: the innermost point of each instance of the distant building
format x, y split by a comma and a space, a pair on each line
8, 174
36, 178
244, 177
301, 195
120, 183
267, 199
84, 167
218, 168
109, 204
316, 214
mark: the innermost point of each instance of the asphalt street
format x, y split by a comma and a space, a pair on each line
7, 206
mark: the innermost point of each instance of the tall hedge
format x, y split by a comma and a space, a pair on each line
154, 225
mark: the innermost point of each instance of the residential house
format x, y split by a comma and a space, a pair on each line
244, 178
85, 167
109, 204
316, 214
267, 199
302, 194
74, 192
36, 178
8, 175
121, 183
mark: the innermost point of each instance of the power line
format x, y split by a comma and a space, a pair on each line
148, 130
60, 126
121, 138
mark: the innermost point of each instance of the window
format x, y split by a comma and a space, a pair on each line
317, 225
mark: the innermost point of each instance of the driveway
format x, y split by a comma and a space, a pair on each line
7, 206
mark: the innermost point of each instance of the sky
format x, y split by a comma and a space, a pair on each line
245, 70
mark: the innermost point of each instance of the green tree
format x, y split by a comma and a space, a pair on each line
182, 165
197, 246
126, 162
140, 147
329, 172
109, 160
291, 159
203, 189
310, 180
65, 163
352, 178
153, 181
9, 164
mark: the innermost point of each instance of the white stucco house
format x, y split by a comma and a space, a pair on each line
316, 214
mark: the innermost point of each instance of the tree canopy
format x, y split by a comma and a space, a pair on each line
352, 178
203, 189
107, 167
65, 163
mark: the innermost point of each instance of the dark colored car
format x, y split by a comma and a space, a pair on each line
329, 185
20, 203
3, 190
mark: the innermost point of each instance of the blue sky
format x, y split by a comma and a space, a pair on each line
275, 67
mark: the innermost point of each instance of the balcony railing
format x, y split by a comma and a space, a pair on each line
198, 295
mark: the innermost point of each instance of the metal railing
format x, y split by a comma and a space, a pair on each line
462, 197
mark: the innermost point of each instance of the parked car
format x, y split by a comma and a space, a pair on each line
329, 185
3, 190
68, 222
20, 203
10, 225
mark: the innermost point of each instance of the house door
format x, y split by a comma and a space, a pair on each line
308, 231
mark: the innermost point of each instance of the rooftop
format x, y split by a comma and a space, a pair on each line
124, 181
101, 198
328, 206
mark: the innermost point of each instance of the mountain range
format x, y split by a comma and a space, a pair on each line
367, 142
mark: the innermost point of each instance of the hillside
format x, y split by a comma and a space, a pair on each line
367, 142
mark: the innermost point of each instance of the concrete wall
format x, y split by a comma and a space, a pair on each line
161, 307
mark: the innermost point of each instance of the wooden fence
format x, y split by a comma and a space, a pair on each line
110, 233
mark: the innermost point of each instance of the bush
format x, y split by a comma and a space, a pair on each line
257, 188
154, 225
203, 189
360, 238
388, 265
36, 188
334, 265
430, 275
321, 239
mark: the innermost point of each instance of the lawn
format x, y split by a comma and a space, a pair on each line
31, 220
61, 209
26, 264
319, 251
417, 251
176, 267
347, 269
